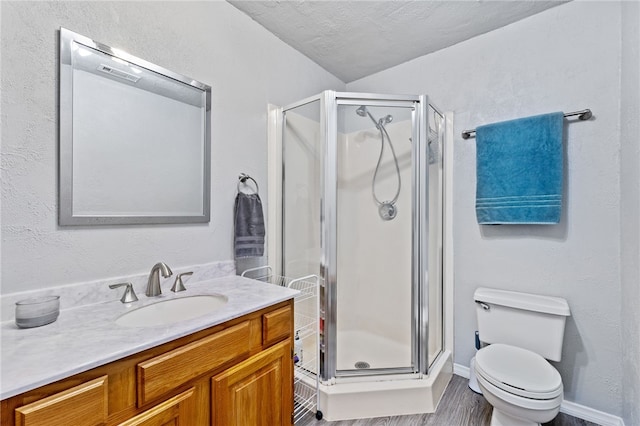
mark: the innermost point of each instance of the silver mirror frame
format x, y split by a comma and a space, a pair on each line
65, 176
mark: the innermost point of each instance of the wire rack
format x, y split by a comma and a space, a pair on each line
306, 328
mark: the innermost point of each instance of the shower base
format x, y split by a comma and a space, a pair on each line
381, 396
356, 347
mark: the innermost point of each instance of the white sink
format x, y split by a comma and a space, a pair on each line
173, 310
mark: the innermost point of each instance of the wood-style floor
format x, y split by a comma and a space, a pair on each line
460, 406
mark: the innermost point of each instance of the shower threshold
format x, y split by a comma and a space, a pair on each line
378, 396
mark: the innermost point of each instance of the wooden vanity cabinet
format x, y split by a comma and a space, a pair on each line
236, 373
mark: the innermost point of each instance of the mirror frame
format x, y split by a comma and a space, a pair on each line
65, 177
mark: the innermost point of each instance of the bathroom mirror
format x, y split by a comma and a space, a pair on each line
134, 139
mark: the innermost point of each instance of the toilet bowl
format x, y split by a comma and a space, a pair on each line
523, 388
520, 332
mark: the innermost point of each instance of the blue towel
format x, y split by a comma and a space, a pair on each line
519, 171
248, 226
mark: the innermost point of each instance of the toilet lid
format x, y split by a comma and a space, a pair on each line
518, 371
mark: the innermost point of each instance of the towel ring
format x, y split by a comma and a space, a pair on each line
242, 179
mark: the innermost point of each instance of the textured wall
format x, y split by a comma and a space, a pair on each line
566, 58
630, 210
210, 41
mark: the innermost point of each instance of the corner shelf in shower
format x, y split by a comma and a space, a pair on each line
307, 329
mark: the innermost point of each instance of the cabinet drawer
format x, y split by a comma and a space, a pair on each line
82, 405
276, 325
178, 410
168, 371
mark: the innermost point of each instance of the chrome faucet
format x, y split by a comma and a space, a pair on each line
153, 285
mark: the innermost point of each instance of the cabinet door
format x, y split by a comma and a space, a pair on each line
177, 411
256, 392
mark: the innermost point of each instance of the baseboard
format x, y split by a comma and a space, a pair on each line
461, 370
590, 414
567, 407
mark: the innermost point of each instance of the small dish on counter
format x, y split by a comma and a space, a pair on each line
37, 311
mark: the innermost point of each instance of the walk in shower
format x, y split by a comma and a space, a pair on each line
360, 204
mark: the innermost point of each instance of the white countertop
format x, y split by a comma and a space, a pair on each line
87, 336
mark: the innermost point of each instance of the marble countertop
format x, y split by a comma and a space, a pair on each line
86, 337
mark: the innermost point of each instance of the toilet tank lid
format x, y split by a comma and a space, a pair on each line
530, 302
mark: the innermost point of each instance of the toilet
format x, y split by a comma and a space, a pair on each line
520, 332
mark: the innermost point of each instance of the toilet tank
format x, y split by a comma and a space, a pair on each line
529, 321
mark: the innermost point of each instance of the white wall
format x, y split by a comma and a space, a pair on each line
630, 210
213, 42
566, 58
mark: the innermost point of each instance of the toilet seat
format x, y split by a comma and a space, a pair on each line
518, 372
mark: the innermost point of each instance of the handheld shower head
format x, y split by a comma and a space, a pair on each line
387, 209
362, 111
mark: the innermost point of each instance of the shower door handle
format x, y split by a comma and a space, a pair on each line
320, 228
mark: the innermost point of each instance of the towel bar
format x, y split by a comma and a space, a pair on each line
242, 179
585, 114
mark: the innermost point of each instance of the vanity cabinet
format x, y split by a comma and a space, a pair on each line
236, 373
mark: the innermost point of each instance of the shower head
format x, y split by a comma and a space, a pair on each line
384, 120
362, 111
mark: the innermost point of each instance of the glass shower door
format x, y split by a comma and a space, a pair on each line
301, 194
375, 312
301, 191
362, 209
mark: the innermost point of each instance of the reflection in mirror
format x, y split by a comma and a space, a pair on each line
134, 139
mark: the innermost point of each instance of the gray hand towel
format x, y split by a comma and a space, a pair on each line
248, 226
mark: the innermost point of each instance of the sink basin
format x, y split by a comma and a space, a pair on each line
173, 310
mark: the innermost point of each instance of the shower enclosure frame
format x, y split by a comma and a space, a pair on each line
329, 101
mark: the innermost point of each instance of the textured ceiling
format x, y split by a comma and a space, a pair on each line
354, 39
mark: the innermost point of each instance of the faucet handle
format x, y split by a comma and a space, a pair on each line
178, 285
129, 295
